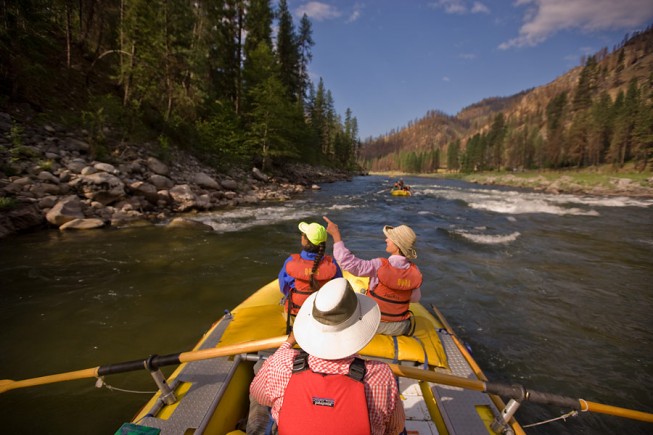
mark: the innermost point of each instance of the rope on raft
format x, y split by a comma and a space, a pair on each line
100, 383
564, 417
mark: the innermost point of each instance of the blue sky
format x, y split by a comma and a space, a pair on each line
391, 61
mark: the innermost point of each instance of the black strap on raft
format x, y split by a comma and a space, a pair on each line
357, 368
289, 303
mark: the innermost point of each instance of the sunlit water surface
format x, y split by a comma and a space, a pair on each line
554, 292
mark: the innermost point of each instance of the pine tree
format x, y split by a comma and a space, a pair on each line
304, 43
586, 85
273, 121
625, 116
555, 147
578, 139
495, 141
258, 25
288, 51
453, 156
601, 129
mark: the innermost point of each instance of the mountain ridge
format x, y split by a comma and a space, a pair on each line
611, 72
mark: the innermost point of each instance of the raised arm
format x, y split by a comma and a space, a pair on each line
333, 230
346, 260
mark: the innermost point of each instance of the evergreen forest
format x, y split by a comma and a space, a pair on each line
225, 79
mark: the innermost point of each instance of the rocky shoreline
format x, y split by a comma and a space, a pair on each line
613, 185
49, 179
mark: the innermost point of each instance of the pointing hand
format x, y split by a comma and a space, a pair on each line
332, 229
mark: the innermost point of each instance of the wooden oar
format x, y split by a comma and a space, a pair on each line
518, 392
152, 362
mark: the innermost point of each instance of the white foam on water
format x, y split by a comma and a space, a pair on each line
341, 207
489, 239
513, 202
247, 217
522, 206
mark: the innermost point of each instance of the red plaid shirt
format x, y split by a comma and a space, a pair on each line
385, 409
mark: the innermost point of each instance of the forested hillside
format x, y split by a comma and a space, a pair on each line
598, 113
208, 75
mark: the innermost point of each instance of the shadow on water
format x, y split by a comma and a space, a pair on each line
550, 291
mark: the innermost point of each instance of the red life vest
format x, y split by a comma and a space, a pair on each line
324, 404
394, 290
300, 269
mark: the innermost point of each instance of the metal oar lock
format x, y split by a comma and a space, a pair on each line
167, 395
152, 364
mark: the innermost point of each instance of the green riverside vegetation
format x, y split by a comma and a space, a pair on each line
207, 75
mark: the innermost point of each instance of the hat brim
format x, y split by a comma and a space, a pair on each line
409, 253
314, 338
304, 228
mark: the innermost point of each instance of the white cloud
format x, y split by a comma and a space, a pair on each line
356, 13
318, 11
480, 8
446, 79
543, 18
460, 6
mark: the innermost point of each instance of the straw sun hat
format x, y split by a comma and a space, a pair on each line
404, 238
336, 322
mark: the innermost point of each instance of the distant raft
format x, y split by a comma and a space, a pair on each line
400, 192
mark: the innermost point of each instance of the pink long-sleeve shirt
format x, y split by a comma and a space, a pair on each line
359, 267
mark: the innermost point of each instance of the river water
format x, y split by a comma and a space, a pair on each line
554, 292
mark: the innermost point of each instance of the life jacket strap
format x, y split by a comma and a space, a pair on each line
357, 368
390, 301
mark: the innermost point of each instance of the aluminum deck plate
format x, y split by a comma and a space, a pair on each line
458, 406
202, 397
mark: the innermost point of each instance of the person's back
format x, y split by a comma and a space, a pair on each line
304, 273
332, 325
324, 403
394, 281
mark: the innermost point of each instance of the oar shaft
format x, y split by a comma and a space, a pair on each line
50, 379
214, 352
619, 412
437, 378
517, 392
152, 362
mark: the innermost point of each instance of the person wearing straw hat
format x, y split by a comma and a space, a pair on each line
304, 273
327, 389
394, 281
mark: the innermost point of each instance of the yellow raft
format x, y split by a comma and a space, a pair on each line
212, 395
400, 192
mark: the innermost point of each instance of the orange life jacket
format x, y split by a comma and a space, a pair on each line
318, 403
394, 290
300, 269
